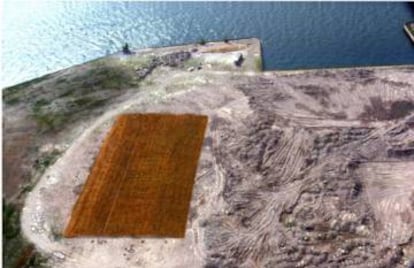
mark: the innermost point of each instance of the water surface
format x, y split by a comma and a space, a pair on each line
42, 37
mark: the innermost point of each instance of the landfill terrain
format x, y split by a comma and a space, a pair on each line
308, 168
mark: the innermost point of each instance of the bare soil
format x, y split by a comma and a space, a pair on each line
297, 169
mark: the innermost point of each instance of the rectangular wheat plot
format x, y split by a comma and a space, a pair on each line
142, 180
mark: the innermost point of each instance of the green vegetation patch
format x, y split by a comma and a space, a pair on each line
12, 241
410, 27
14, 89
202, 41
10, 218
12, 100
101, 77
192, 63
137, 62
36, 260
49, 121
259, 64
14, 94
79, 93
46, 159
17, 252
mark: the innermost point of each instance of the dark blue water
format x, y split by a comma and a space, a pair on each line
41, 37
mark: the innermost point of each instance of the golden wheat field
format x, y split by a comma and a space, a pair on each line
142, 179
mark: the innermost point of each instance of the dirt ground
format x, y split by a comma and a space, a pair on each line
298, 169
52, 109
